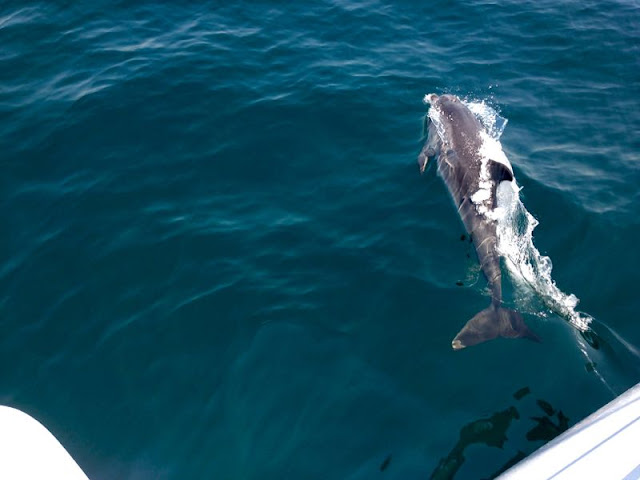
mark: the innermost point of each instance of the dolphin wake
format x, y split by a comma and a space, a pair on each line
527, 267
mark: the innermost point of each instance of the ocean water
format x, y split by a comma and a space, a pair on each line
218, 258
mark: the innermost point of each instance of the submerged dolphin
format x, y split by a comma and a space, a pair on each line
473, 177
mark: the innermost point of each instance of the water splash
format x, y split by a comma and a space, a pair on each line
531, 273
492, 122
526, 265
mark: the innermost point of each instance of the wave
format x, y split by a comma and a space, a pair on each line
526, 265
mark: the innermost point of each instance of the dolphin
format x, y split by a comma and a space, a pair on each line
474, 172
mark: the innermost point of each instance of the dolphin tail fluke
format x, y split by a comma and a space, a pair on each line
493, 322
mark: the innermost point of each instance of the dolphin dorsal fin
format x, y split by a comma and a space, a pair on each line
499, 172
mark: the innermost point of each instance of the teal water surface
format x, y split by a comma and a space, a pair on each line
218, 258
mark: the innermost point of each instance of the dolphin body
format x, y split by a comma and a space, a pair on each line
462, 148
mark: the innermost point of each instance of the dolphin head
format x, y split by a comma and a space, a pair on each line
433, 99
447, 104
447, 97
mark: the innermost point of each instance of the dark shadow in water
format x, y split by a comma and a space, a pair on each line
590, 366
523, 392
386, 463
591, 338
489, 431
546, 429
546, 407
492, 432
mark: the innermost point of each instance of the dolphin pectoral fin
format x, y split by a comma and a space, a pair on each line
426, 154
493, 322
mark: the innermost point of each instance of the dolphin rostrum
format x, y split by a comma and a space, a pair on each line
474, 172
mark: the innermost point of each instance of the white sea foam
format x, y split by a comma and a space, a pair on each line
490, 150
527, 266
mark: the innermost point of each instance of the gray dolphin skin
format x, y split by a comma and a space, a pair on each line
472, 180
